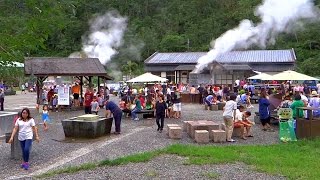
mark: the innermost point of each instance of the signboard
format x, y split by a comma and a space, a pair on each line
63, 96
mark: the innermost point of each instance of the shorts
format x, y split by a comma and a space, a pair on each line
265, 121
237, 125
75, 96
177, 107
208, 102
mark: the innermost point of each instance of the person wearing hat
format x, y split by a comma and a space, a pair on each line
111, 107
315, 103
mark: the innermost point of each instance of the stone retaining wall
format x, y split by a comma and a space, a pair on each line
6, 121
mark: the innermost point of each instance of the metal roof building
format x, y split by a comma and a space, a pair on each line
180, 64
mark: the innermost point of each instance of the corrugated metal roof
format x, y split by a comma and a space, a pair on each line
253, 56
185, 67
159, 68
272, 67
237, 67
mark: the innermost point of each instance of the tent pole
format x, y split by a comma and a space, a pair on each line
98, 85
81, 90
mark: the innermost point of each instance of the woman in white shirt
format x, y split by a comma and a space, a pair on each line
25, 126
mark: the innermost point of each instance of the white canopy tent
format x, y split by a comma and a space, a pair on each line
12, 64
290, 75
260, 76
147, 77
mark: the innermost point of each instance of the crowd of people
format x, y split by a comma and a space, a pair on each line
165, 101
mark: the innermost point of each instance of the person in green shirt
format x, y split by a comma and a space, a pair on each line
297, 103
136, 109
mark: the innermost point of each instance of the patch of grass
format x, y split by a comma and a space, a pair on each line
70, 169
210, 175
141, 157
152, 173
296, 160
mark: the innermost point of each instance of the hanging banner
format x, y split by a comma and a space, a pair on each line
63, 96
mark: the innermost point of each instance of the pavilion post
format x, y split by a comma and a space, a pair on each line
98, 84
39, 83
38, 90
81, 90
90, 81
104, 87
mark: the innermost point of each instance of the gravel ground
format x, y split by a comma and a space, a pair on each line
55, 152
170, 167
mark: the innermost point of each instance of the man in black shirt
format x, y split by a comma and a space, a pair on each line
201, 91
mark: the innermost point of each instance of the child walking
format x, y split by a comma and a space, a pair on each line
161, 107
95, 105
45, 116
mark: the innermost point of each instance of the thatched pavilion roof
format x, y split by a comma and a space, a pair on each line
54, 66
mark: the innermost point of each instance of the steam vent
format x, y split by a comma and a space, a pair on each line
87, 126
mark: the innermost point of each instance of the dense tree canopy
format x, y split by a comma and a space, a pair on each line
55, 28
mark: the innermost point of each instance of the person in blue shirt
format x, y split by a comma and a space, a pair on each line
111, 107
264, 111
209, 100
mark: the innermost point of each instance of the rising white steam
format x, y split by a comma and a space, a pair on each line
106, 33
276, 16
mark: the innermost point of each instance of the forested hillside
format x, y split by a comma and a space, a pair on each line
55, 28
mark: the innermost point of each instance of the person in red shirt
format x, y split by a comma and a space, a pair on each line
216, 88
142, 100
88, 97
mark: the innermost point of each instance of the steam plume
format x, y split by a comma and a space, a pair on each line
276, 16
106, 33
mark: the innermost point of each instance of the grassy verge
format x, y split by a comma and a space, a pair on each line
299, 160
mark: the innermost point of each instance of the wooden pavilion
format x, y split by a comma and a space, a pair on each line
42, 67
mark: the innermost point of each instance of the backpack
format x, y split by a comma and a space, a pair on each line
285, 105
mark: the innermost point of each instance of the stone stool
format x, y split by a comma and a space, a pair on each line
171, 125
214, 107
206, 107
189, 127
222, 126
236, 132
221, 105
218, 135
175, 132
201, 136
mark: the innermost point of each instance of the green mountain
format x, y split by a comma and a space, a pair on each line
55, 28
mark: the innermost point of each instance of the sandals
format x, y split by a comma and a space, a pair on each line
270, 130
232, 140
250, 136
244, 138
